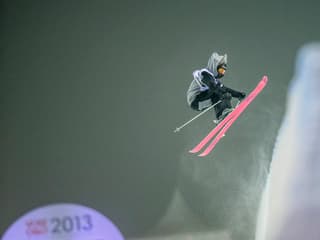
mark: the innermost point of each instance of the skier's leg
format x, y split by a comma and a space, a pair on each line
201, 102
219, 109
224, 106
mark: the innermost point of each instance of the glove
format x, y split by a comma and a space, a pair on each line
242, 95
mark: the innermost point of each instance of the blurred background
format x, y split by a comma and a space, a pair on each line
91, 91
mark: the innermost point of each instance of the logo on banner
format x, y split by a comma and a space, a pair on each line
36, 227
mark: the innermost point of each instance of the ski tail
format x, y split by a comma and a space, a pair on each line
213, 132
216, 129
225, 124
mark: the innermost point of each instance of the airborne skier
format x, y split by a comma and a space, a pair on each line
219, 131
207, 89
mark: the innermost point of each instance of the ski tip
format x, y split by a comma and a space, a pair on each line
265, 78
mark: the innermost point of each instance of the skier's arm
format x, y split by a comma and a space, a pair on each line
218, 89
213, 88
234, 93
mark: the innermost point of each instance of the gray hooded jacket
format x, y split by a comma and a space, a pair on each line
197, 86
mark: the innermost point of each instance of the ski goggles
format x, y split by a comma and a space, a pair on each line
221, 70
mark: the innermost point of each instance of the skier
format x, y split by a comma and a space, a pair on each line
207, 89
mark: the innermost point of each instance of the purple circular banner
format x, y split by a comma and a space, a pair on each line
63, 222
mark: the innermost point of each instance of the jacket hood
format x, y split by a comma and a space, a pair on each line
214, 61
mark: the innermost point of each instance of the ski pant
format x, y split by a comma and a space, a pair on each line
225, 102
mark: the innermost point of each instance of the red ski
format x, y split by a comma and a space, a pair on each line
226, 123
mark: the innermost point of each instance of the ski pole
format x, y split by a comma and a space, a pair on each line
195, 117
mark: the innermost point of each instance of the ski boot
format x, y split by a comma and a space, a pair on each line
223, 115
